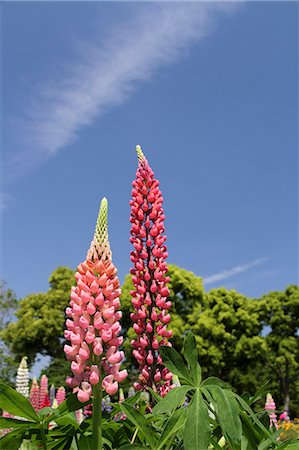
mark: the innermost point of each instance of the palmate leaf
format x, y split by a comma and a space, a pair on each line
191, 356
174, 423
141, 423
71, 404
197, 428
7, 422
227, 411
261, 427
174, 362
16, 404
12, 440
172, 400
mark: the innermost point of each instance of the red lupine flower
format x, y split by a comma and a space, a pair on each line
149, 276
43, 390
46, 401
34, 394
93, 325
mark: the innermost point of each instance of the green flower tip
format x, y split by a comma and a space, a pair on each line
140, 153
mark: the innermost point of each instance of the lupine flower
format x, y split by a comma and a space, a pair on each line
270, 407
93, 325
34, 394
22, 379
46, 401
60, 395
52, 393
43, 390
79, 416
149, 276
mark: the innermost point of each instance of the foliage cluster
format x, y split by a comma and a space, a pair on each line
202, 414
244, 341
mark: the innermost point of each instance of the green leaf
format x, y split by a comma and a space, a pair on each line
172, 400
197, 429
191, 356
174, 362
214, 381
71, 404
7, 422
259, 393
58, 444
175, 422
85, 442
67, 419
154, 395
247, 408
141, 423
130, 446
12, 440
227, 412
16, 404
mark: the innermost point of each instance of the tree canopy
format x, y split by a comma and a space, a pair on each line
244, 341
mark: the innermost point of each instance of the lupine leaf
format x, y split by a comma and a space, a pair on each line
12, 440
214, 381
191, 356
7, 422
71, 404
172, 400
16, 404
175, 422
197, 428
141, 423
227, 412
174, 362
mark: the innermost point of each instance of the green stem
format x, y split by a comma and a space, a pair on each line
43, 435
97, 417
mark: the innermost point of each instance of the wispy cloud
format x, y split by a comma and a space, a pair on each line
225, 274
107, 72
4, 199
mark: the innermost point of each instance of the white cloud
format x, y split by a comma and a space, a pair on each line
108, 71
223, 275
4, 199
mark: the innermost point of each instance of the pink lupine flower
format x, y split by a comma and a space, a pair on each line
34, 394
149, 276
270, 407
93, 325
60, 395
43, 390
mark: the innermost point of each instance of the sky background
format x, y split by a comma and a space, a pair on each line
208, 90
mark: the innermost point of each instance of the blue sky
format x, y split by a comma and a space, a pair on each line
210, 92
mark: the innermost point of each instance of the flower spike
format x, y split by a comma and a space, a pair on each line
149, 276
93, 325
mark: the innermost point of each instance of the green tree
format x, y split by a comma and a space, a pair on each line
186, 292
228, 335
279, 313
39, 328
8, 305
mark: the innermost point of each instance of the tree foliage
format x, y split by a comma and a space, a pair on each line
8, 306
39, 328
244, 341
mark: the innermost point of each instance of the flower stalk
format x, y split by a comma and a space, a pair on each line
149, 275
93, 326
